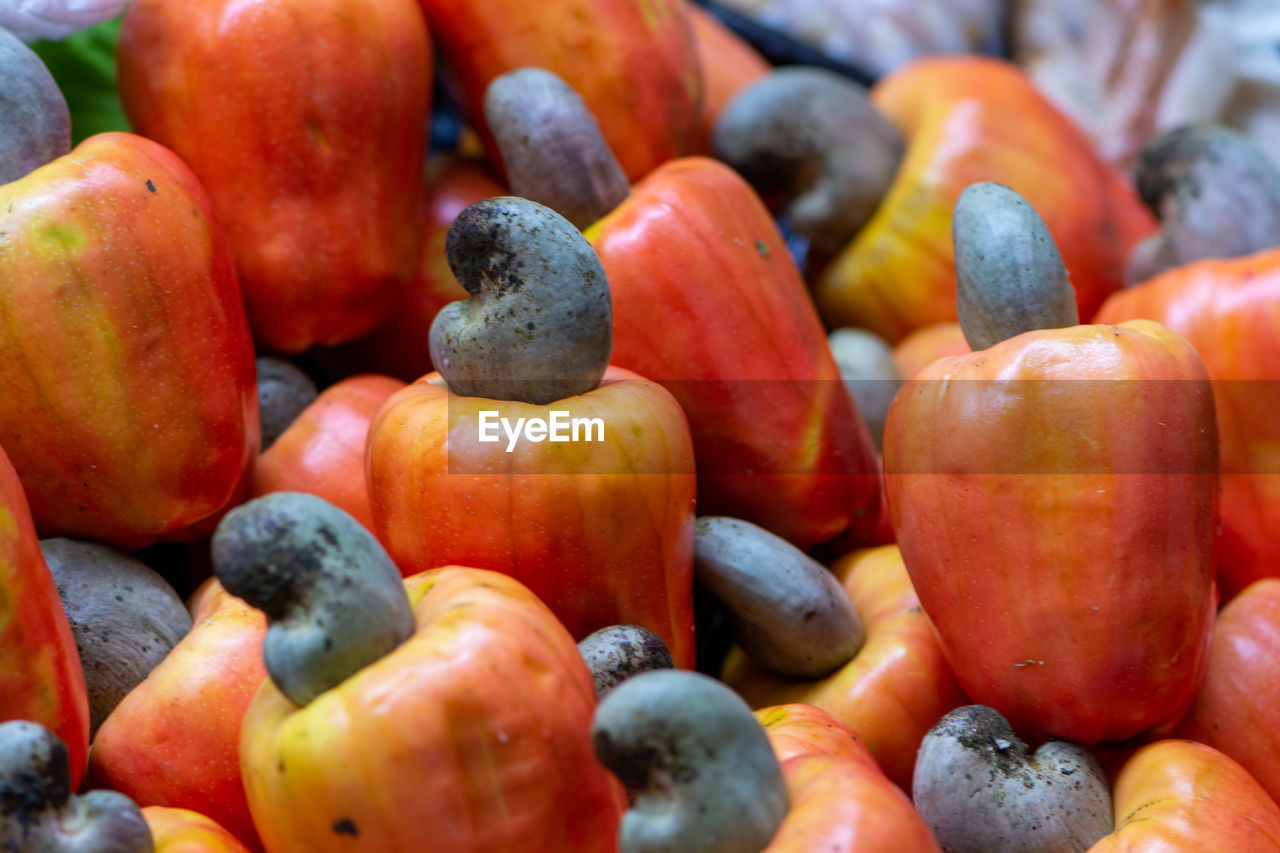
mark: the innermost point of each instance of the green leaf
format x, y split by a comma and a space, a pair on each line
84, 65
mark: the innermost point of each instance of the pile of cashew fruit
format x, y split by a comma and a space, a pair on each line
639, 426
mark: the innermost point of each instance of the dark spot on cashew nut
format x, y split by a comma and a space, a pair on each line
334, 600
1216, 193
617, 652
980, 788
38, 811
812, 136
485, 346
697, 764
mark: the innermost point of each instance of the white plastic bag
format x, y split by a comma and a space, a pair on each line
30, 20
1127, 70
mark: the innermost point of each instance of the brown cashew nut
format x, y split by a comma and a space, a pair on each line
618, 652
37, 123
125, 618
334, 600
789, 613
814, 137
1216, 193
980, 789
701, 773
38, 812
538, 325
1010, 277
552, 147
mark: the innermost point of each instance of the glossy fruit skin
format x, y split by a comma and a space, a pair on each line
174, 740
633, 61
475, 731
898, 273
184, 831
840, 798
131, 407
602, 531
323, 450
894, 690
1058, 524
1229, 310
1238, 708
40, 675
306, 120
1179, 795
844, 806
399, 346
798, 728
707, 301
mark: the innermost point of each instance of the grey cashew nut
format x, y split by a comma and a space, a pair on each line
618, 652
334, 600
1010, 277
789, 613
698, 765
552, 147
866, 365
1216, 193
125, 618
538, 325
37, 123
284, 391
980, 789
813, 136
38, 813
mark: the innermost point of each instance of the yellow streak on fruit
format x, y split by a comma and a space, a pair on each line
64, 236
653, 11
